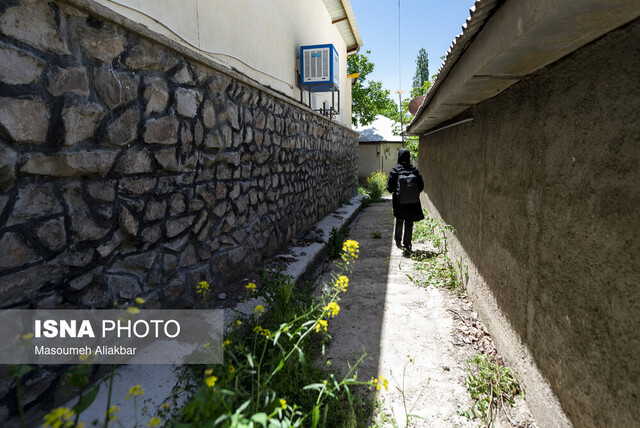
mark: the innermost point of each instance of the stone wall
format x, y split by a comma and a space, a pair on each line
129, 167
543, 188
129, 170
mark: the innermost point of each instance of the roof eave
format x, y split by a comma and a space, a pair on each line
344, 20
500, 46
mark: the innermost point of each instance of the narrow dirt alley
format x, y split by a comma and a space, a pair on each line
413, 336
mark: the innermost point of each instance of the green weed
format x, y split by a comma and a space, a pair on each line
491, 386
436, 268
334, 243
376, 234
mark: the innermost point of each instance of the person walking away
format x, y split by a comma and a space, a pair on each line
405, 184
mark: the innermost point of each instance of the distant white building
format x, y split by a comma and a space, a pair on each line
378, 147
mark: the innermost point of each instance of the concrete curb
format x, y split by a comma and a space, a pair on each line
309, 256
300, 260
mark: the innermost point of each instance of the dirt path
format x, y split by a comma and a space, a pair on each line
413, 336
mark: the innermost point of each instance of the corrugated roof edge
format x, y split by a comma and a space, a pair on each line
479, 14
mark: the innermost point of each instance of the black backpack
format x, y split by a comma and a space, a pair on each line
407, 191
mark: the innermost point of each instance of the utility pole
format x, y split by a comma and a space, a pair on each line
399, 92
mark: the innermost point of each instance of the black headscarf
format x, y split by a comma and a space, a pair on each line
404, 156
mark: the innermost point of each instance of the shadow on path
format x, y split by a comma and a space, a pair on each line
405, 330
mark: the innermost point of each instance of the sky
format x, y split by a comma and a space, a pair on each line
428, 24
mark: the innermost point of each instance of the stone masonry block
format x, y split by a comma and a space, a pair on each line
70, 164
115, 87
19, 68
24, 120
187, 101
18, 21
70, 79
15, 251
80, 122
103, 43
161, 131
124, 129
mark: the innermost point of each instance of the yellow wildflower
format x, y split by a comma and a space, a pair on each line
28, 336
384, 382
263, 331
203, 287
135, 390
111, 413
139, 300
350, 250
283, 404
231, 368
342, 283
251, 287
211, 381
166, 405
154, 422
238, 322
332, 308
133, 310
208, 372
62, 417
225, 344
259, 309
322, 324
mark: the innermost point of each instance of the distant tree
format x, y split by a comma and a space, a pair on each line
421, 81
368, 98
421, 85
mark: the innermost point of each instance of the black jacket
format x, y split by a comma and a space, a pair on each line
412, 212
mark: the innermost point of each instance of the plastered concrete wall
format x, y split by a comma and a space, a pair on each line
543, 188
376, 156
260, 38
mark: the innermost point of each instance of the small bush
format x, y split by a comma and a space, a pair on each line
376, 185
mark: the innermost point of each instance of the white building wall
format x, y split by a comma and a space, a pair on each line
260, 39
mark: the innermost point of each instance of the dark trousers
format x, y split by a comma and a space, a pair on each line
408, 232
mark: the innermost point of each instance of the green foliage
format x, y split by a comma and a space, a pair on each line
376, 185
401, 116
421, 78
431, 229
334, 243
376, 234
491, 385
411, 143
368, 97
